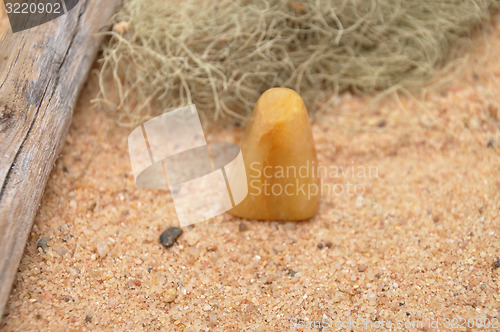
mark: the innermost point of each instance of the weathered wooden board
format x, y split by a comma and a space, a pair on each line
41, 73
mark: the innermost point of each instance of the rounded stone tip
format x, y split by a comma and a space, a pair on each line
279, 104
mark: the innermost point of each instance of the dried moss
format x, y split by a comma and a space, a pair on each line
221, 55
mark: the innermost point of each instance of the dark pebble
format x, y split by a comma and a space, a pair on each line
496, 263
382, 123
242, 227
42, 243
150, 269
407, 314
328, 244
88, 318
320, 245
168, 237
491, 143
92, 206
292, 273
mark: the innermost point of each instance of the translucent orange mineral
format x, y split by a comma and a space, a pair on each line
280, 159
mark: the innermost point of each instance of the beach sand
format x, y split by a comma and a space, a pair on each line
417, 242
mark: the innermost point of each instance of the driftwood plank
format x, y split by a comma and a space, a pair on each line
41, 73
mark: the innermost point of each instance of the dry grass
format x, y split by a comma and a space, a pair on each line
222, 55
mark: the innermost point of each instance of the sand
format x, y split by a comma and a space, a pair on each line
417, 246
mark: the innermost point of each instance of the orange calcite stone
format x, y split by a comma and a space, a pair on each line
280, 158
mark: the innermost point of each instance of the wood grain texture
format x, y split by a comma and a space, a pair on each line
41, 73
4, 21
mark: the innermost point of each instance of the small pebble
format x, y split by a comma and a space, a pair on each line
242, 227
328, 244
92, 207
362, 268
320, 245
88, 318
75, 272
62, 251
382, 123
121, 27
491, 143
168, 237
496, 263
150, 269
292, 273
43, 243
170, 295
102, 248
212, 248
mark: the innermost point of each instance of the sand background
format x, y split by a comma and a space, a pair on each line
419, 245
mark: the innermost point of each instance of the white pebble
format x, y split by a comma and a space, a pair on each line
102, 248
